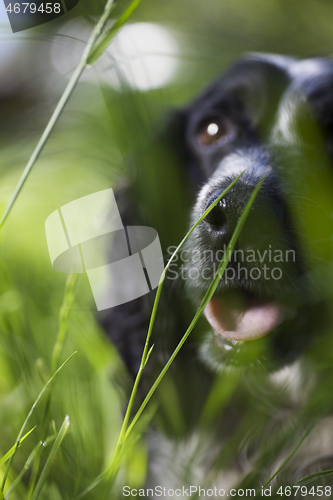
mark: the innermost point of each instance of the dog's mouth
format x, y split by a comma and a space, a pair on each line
241, 316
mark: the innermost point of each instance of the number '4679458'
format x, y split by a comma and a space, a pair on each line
31, 8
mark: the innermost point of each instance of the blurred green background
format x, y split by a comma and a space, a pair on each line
102, 123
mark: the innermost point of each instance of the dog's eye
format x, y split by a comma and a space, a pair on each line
211, 131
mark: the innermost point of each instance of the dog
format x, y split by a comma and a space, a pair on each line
255, 372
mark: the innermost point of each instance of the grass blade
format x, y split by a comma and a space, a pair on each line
51, 457
103, 43
12, 450
289, 457
32, 456
63, 320
96, 33
318, 478
316, 475
19, 437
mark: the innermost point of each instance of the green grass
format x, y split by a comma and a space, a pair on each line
80, 445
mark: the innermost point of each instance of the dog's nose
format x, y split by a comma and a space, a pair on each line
221, 222
222, 219
262, 224
218, 218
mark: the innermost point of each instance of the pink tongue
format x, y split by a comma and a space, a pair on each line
234, 321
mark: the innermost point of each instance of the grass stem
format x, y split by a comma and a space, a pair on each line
98, 33
19, 437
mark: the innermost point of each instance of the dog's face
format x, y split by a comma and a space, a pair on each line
273, 115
